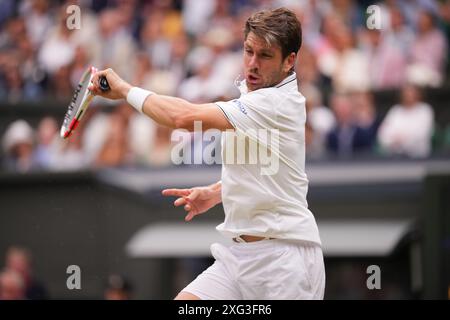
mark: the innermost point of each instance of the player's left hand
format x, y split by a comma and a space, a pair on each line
196, 200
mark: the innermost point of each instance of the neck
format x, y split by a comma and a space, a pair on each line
284, 76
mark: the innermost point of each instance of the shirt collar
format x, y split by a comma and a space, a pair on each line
290, 79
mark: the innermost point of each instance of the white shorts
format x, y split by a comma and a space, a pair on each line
264, 270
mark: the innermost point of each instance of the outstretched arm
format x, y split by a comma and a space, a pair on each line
196, 200
168, 111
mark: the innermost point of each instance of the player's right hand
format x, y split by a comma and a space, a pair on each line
118, 87
195, 200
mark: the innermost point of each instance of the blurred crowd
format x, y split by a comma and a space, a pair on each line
18, 280
193, 49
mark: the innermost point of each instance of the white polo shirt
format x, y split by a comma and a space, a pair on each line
266, 195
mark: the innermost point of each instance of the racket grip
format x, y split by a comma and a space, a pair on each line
103, 83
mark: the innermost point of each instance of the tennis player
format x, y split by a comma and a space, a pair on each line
276, 252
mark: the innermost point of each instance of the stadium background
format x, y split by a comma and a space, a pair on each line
378, 144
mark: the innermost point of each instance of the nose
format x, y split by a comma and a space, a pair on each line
253, 62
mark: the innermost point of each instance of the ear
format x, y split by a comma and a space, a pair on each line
289, 62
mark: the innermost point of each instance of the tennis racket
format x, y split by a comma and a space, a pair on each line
80, 102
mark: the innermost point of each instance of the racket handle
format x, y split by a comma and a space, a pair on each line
103, 83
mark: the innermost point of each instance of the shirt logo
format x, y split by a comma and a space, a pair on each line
240, 105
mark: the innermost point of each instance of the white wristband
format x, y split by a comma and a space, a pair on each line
136, 97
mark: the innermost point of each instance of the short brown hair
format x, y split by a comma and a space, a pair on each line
278, 26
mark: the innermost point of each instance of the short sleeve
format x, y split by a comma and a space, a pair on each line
251, 111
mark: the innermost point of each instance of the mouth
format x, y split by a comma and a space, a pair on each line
252, 79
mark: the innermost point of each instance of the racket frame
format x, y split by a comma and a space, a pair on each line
71, 123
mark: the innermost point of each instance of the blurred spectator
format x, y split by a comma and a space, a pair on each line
11, 33
118, 288
348, 11
340, 139
115, 150
161, 148
79, 65
323, 48
172, 23
11, 286
88, 34
366, 118
399, 33
226, 64
19, 260
383, 58
320, 121
222, 17
198, 87
31, 72
163, 81
408, 127
61, 85
58, 49
340, 60
134, 139
352, 66
307, 70
143, 67
314, 149
13, 82
18, 147
47, 133
428, 53
364, 110
114, 47
69, 154
20, 75
444, 11
196, 14
7, 9
122, 137
320, 117
95, 133
38, 19
411, 9
348, 136
311, 14
129, 16
154, 40
180, 49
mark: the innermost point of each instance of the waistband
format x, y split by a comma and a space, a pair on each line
247, 238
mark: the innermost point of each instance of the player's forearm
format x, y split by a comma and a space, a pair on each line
170, 111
